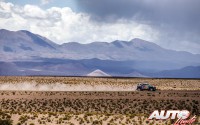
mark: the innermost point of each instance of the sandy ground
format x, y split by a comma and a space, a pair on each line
91, 101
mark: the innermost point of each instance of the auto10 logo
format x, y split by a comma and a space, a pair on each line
182, 116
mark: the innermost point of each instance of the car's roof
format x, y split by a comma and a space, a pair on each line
144, 83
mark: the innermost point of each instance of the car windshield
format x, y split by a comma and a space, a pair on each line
144, 84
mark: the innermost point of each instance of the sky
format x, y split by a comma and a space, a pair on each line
172, 24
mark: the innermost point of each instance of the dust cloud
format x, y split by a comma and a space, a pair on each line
64, 87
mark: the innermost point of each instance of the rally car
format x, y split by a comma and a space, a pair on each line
145, 86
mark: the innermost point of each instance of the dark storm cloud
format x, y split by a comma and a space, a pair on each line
154, 12
176, 20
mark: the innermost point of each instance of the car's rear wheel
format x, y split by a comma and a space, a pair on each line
151, 89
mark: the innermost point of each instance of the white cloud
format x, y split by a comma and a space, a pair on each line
63, 25
44, 2
34, 12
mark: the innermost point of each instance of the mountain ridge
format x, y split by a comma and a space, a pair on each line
135, 40
25, 43
136, 57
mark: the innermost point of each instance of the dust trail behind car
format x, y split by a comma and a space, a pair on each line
33, 86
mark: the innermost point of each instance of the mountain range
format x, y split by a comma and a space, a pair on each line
26, 53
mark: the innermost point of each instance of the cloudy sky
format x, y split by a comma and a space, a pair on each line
172, 24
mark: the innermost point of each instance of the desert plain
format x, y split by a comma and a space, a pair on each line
93, 101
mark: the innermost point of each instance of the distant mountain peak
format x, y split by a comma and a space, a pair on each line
145, 45
141, 41
2, 30
25, 31
98, 72
137, 39
121, 43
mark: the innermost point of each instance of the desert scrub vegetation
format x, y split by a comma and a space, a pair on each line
99, 102
6, 122
5, 118
93, 107
83, 119
115, 106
